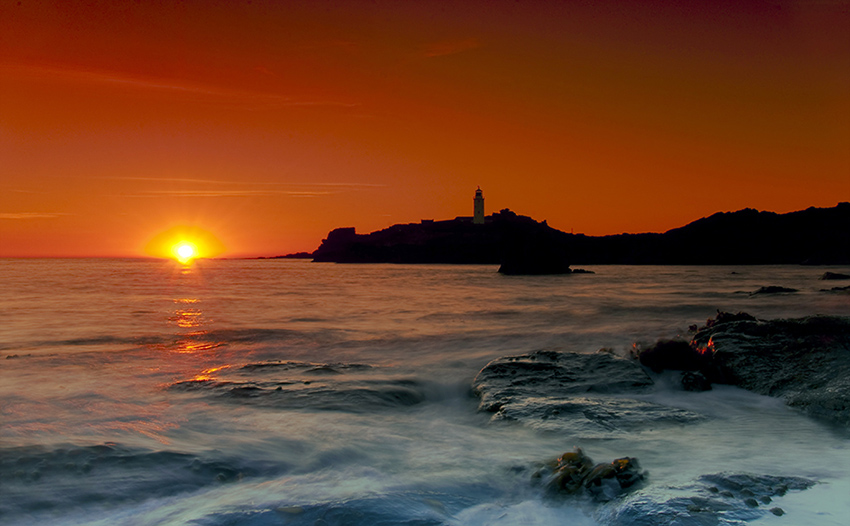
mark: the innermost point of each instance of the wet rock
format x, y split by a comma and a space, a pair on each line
806, 361
676, 355
574, 473
583, 394
717, 499
773, 289
834, 275
567, 473
605, 482
695, 381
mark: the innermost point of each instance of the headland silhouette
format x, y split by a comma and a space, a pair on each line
522, 245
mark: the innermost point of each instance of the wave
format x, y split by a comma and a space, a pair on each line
37, 479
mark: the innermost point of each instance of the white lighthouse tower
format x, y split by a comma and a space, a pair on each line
478, 208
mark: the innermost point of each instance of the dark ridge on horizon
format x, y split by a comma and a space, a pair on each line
815, 236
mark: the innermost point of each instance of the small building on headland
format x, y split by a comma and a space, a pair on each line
478, 208
477, 217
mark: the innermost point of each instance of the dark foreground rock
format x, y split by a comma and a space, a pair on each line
588, 395
677, 355
717, 499
806, 361
575, 473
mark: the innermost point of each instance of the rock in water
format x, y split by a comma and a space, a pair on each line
677, 355
717, 499
583, 394
834, 275
607, 481
773, 289
574, 472
806, 361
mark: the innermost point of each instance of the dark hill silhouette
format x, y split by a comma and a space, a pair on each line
523, 245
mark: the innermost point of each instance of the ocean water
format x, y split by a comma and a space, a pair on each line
263, 392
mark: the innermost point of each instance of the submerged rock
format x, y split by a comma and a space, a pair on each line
348, 387
583, 394
806, 361
717, 499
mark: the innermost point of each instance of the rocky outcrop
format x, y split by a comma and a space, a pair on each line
677, 355
575, 473
806, 361
589, 395
834, 275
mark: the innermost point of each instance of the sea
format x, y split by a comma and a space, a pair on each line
271, 391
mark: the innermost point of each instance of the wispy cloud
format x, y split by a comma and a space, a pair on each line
450, 47
245, 183
246, 99
31, 215
229, 193
258, 189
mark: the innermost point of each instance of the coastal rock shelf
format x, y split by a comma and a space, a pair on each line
590, 395
805, 361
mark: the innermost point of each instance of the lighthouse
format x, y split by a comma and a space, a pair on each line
478, 208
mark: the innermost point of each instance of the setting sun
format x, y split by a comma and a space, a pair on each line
185, 244
184, 252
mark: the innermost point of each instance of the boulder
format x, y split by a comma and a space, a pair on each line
574, 473
806, 361
590, 395
676, 355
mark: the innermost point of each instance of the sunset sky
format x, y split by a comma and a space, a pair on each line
267, 124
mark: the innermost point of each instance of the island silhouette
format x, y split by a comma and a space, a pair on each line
522, 245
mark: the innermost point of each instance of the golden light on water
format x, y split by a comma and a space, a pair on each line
185, 244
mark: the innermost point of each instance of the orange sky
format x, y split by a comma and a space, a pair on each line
269, 123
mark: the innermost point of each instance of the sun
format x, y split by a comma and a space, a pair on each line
185, 252
184, 244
